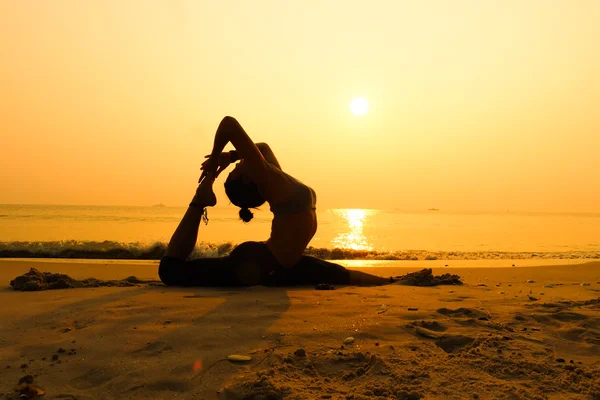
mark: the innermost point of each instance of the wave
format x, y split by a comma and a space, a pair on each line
154, 251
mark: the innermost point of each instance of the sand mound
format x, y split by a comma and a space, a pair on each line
327, 375
425, 278
35, 280
413, 373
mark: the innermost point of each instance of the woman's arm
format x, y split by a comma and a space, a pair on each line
268, 154
230, 130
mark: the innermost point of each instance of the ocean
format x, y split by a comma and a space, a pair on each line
142, 233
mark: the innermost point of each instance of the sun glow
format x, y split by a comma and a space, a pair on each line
359, 106
354, 238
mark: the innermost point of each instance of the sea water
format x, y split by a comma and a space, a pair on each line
142, 232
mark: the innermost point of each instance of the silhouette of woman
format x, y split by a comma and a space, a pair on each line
257, 178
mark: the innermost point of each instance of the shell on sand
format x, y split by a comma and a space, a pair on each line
238, 358
348, 340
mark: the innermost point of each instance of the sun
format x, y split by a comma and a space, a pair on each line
359, 106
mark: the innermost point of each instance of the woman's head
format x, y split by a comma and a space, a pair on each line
243, 193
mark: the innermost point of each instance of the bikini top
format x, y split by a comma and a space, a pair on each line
303, 199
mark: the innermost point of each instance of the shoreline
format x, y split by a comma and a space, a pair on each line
148, 269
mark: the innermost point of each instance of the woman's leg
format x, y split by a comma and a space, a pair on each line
174, 270
245, 266
184, 239
359, 278
312, 271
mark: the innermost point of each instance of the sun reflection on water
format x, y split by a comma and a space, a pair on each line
354, 238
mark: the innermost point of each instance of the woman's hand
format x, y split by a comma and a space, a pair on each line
215, 165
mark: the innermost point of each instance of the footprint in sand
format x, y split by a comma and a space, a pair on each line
463, 312
448, 342
432, 326
438, 332
155, 348
567, 316
68, 396
164, 385
93, 378
451, 343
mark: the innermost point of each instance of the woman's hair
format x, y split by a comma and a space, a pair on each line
245, 194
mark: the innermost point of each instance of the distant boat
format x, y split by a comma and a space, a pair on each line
434, 209
159, 205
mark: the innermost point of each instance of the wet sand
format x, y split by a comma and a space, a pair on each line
496, 336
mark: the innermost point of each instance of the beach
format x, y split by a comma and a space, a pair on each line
450, 148
528, 331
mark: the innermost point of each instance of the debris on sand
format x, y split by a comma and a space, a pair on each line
27, 389
26, 379
35, 280
324, 286
300, 353
425, 278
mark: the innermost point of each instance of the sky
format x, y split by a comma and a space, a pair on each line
474, 105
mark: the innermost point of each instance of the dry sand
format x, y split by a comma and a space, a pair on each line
508, 339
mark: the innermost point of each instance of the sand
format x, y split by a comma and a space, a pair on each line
496, 336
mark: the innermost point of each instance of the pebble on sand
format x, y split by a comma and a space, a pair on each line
349, 340
530, 281
300, 353
238, 358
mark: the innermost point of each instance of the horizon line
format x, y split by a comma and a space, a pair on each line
407, 210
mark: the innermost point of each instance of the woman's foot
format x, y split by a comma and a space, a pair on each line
205, 196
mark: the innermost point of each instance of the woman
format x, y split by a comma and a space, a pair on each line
257, 178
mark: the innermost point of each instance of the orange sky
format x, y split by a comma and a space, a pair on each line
475, 105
